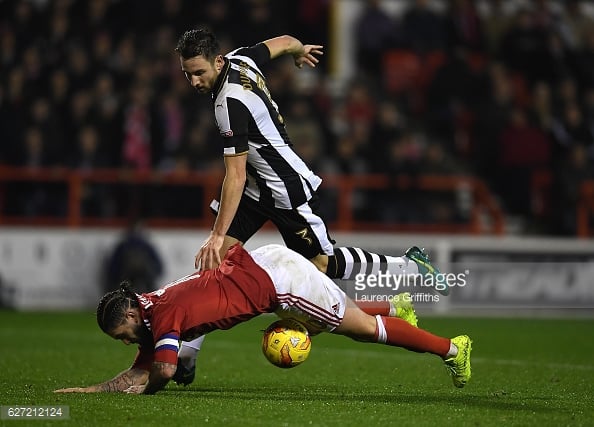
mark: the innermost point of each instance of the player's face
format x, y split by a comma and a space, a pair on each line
201, 73
132, 331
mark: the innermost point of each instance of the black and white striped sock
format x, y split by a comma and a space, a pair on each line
349, 262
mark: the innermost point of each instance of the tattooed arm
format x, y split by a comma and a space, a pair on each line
129, 378
160, 375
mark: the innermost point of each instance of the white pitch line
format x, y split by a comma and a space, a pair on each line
552, 365
352, 352
479, 360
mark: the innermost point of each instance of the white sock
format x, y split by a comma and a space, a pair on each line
453, 352
382, 335
188, 351
393, 312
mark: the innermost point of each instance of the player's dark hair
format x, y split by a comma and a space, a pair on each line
112, 308
198, 42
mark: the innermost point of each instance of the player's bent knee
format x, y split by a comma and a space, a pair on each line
357, 325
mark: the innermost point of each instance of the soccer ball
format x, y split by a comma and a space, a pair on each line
286, 343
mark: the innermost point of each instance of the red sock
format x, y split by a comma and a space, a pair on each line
397, 332
375, 307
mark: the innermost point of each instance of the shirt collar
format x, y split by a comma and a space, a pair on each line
221, 78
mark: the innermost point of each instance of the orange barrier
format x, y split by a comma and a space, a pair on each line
585, 209
485, 215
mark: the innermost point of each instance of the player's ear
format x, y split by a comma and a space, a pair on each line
132, 314
219, 62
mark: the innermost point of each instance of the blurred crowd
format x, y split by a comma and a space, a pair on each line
501, 92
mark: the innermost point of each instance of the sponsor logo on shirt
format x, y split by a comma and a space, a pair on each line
336, 308
304, 236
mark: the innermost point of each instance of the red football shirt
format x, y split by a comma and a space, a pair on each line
201, 302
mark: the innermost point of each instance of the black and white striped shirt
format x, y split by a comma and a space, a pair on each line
249, 121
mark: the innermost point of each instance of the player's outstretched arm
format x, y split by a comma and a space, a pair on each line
123, 381
289, 45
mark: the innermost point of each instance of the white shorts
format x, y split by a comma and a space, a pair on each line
303, 292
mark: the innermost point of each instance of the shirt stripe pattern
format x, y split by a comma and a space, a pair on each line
167, 342
315, 311
277, 176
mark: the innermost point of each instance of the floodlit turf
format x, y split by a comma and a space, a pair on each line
526, 372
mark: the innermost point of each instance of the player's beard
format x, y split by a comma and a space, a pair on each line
145, 337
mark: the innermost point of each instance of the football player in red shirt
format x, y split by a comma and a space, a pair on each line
270, 279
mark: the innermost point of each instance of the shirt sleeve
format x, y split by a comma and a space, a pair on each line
166, 332
166, 348
259, 53
233, 118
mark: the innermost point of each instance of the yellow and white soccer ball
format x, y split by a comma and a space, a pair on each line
286, 343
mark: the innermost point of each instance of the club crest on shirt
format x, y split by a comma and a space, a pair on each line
227, 133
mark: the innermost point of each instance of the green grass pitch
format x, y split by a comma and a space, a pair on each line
526, 372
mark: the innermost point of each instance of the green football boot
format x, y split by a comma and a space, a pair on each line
404, 309
459, 366
427, 269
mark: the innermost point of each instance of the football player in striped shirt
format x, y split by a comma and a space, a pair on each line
265, 180
270, 279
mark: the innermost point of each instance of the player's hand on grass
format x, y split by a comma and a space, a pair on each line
308, 56
135, 389
209, 255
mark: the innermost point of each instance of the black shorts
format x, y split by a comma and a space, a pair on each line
302, 229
